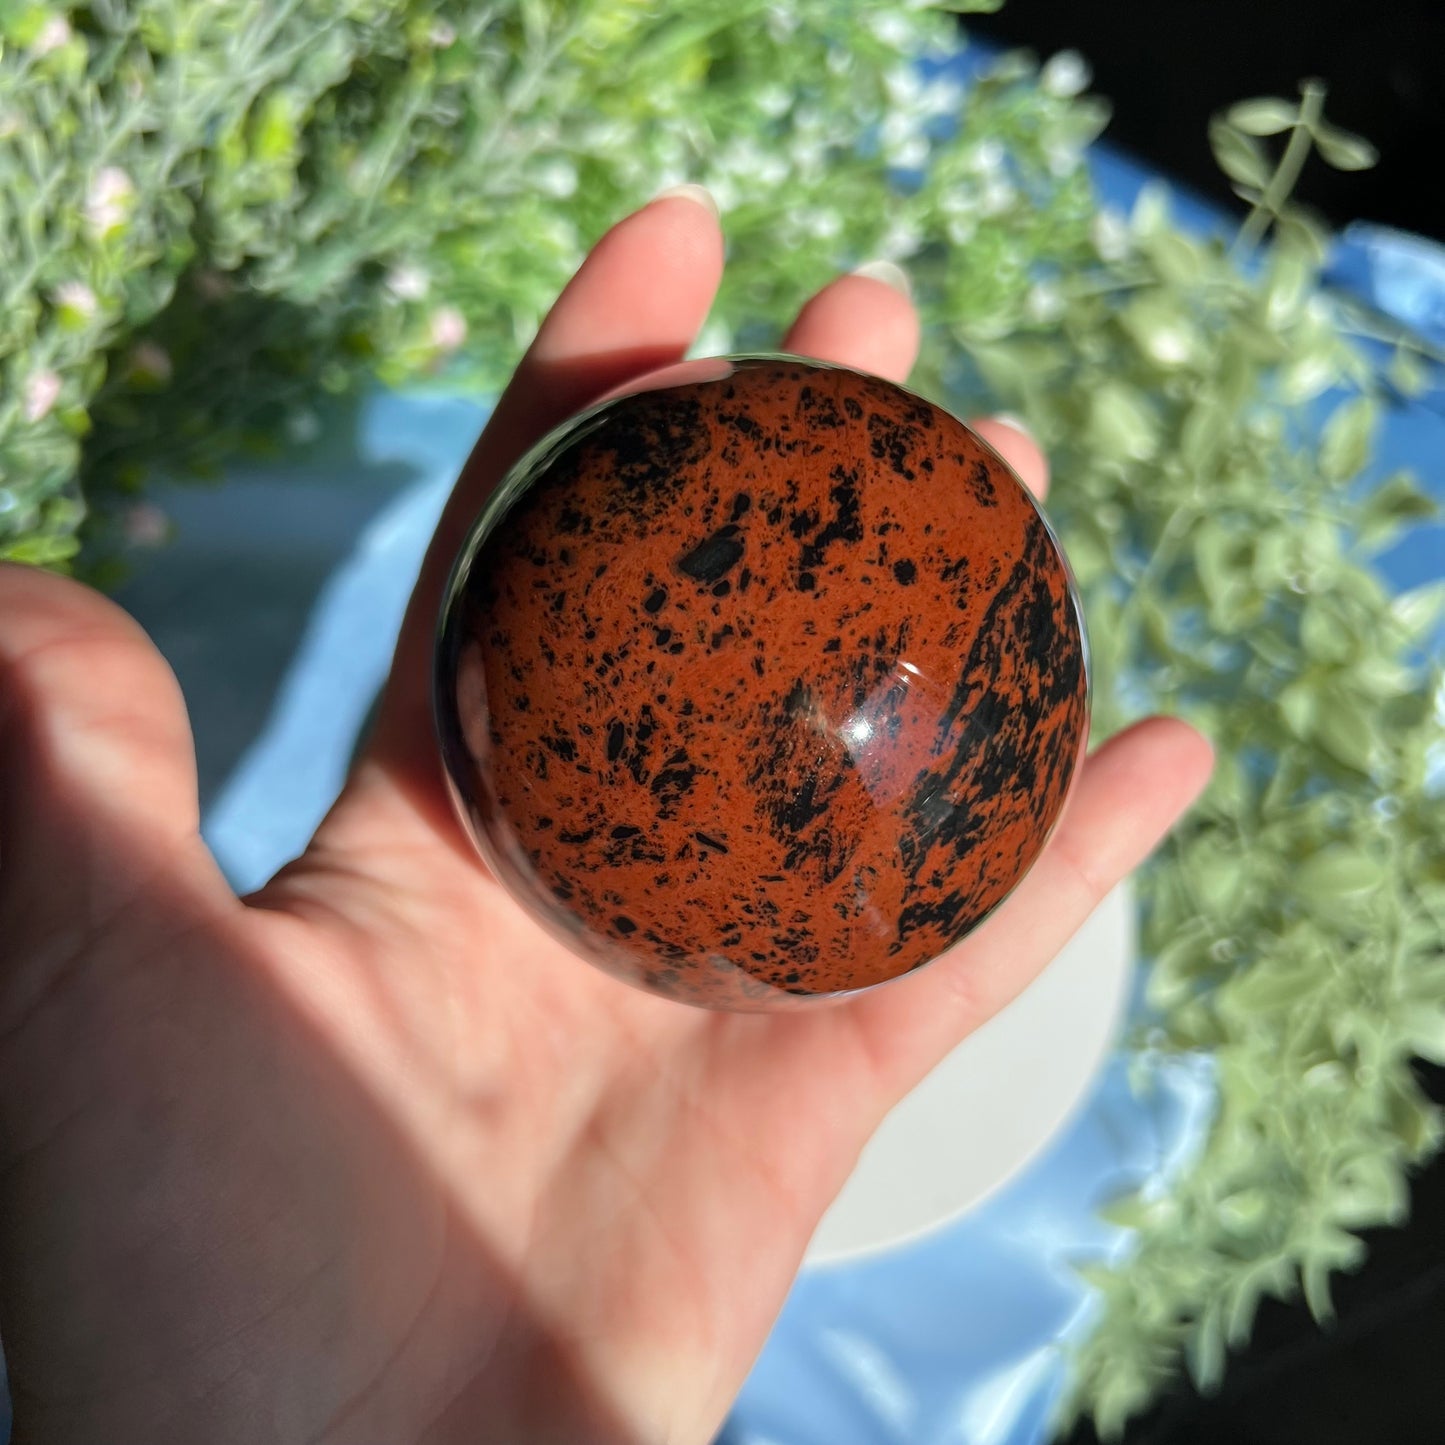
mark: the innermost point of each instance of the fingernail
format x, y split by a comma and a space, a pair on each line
691, 191
890, 273
1009, 418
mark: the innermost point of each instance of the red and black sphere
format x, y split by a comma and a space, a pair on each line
760, 684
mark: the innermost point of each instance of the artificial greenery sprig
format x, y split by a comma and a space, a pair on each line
1223, 542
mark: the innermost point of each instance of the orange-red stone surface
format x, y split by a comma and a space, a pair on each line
762, 686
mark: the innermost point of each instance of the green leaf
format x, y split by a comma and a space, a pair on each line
1396, 503
40, 550
1325, 632
1127, 1212
1221, 560
1161, 329
1265, 116
1241, 1304
1425, 1032
1316, 1276
1347, 438
1298, 231
1150, 216
1338, 870
1290, 279
1121, 425
1414, 1121
1204, 1350
1420, 609
1407, 372
1368, 1191
1244, 1212
1239, 156
1346, 730
1342, 149
1180, 260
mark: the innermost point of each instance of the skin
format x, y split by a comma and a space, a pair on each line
366, 1159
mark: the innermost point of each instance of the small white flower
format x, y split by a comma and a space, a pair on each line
774, 100
603, 135
77, 297
725, 191
1044, 302
1061, 158
782, 23
1066, 74
442, 34
771, 169
556, 177
986, 157
1171, 345
960, 201
110, 200
904, 86
809, 157
900, 241
941, 96
996, 195
961, 229
1109, 232
911, 155
742, 158
42, 391
302, 426
408, 282
809, 117
213, 285
53, 34
824, 225
150, 362
145, 525
893, 29
448, 328
896, 129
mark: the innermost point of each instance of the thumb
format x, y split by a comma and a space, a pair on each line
97, 766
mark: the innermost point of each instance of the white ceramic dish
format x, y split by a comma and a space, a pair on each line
993, 1103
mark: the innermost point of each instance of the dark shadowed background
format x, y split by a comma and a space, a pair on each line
1170, 64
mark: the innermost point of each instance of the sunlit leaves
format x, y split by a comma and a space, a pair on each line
1265, 116
1239, 155
1343, 151
1291, 926
1347, 439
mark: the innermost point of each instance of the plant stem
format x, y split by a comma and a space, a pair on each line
1287, 172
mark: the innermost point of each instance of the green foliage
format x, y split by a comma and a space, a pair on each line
1297, 922
217, 214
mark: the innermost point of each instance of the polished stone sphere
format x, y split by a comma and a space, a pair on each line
762, 683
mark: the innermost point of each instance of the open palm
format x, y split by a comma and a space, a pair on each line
367, 1158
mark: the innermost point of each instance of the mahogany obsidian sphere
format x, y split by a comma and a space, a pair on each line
763, 683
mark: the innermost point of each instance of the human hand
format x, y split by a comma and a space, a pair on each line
368, 1158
